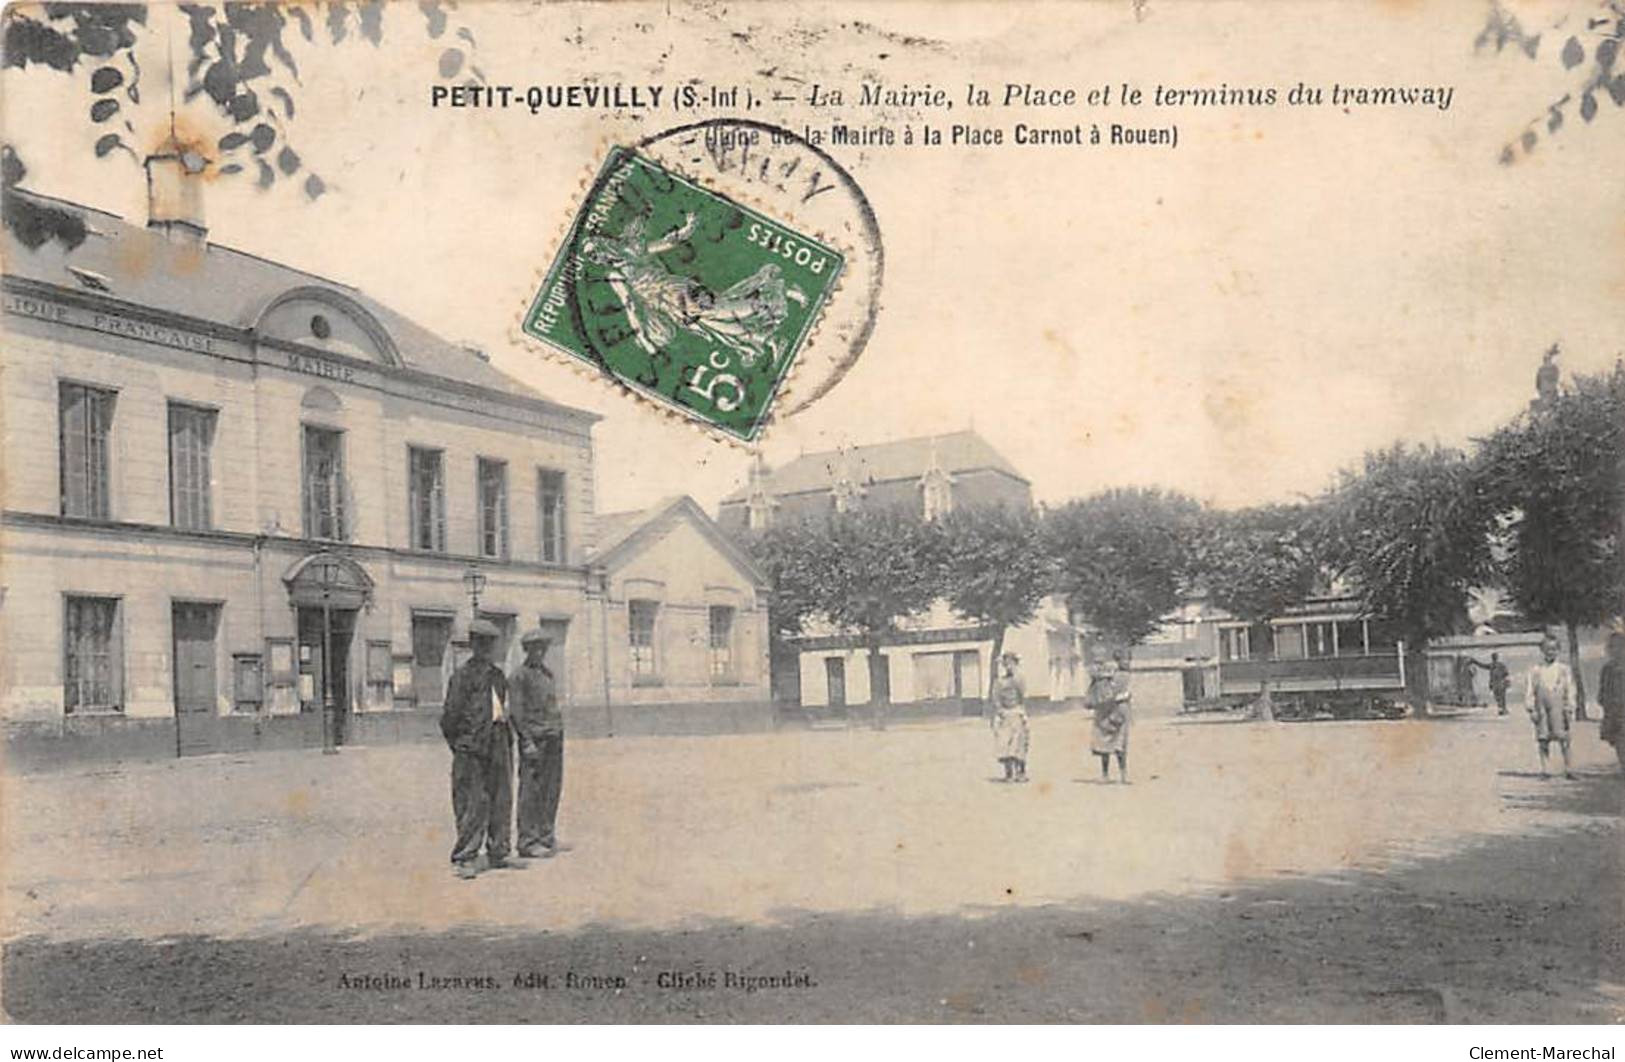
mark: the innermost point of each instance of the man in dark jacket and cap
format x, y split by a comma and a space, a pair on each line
475, 725
536, 718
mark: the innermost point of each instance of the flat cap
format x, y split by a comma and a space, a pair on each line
481, 628
534, 635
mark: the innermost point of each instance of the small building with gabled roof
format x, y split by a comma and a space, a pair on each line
686, 622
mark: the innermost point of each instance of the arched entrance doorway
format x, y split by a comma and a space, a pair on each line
327, 590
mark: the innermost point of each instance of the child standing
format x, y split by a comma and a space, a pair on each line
1549, 699
1010, 728
1109, 698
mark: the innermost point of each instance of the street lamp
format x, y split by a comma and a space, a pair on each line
327, 573
474, 580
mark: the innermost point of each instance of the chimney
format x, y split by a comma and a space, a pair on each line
175, 192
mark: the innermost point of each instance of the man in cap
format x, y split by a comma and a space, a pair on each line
475, 724
540, 726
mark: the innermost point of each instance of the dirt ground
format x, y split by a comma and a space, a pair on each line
1413, 871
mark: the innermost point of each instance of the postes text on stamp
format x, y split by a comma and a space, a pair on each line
694, 300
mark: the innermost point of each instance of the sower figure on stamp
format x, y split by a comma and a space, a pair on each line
534, 700
1549, 699
474, 723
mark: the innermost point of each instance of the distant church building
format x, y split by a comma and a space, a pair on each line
248, 506
937, 661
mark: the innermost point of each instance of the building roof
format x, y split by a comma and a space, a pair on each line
960, 451
134, 264
623, 534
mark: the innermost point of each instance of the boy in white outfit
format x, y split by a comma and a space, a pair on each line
1548, 697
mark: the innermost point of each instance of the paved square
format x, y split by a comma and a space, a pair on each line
877, 863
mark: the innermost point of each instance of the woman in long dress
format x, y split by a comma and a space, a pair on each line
1010, 733
1109, 698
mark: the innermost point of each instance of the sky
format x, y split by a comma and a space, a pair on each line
1237, 317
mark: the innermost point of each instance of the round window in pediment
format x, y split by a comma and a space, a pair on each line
330, 320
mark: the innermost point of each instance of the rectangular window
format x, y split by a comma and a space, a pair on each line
427, 490
191, 440
1289, 641
1351, 638
493, 494
431, 635
550, 513
247, 682
640, 616
1318, 639
85, 424
324, 483
1234, 643
934, 677
722, 643
93, 657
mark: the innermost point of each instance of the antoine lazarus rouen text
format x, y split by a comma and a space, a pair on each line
692, 980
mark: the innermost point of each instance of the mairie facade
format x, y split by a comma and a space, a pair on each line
245, 505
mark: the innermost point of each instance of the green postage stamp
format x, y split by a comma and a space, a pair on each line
694, 300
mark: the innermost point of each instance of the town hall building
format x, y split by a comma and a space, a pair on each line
248, 506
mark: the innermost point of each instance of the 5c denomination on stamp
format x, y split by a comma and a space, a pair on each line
679, 292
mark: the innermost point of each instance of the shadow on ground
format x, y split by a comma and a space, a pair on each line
1506, 929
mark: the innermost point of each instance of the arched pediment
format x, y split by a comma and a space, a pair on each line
322, 399
329, 578
328, 320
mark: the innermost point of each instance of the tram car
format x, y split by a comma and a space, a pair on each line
1322, 661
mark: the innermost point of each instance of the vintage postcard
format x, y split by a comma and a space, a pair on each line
674, 511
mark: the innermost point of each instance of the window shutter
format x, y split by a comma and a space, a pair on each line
99, 413
341, 492
503, 548
438, 496
306, 501
205, 468
73, 679
115, 654
74, 485
177, 467
414, 507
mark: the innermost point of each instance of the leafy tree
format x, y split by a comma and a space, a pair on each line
1255, 563
995, 568
1556, 475
1124, 557
1411, 531
878, 566
794, 556
1591, 41
237, 58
